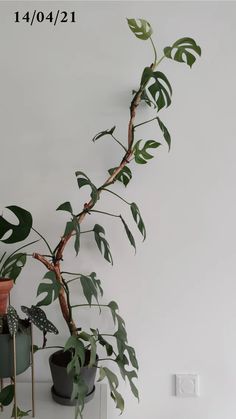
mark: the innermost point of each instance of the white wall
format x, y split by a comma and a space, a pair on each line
59, 86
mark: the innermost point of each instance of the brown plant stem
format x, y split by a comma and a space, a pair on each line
58, 255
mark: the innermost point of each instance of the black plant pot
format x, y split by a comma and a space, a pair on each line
63, 382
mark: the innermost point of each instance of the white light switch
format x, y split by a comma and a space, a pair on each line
187, 385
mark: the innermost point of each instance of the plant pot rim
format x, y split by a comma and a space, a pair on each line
62, 366
6, 279
24, 331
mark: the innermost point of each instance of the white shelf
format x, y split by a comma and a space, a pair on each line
45, 407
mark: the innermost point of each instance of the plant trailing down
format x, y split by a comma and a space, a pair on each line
155, 90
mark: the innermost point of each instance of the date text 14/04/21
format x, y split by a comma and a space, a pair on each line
54, 17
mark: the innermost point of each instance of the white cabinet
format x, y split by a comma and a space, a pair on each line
45, 407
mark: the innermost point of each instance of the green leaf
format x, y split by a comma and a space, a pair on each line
147, 100
160, 90
39, 318
75, 343
85, 336
13, 266
138, 219
35, 348
69, 228
97, 282
20, 413
132, 356
77, 235
7, 395
2, 257
89, 289
124, 176
83, 180
182, 51
112, 378
141, 28
141, 154
93, 352
129, 234
73, 366
121, 362
71, 343
79, 392
130, 375
113, 384
118, 399
114, 308
91, 286
165, 131
103, 133
121, 333
102, 374
73, 226
20, 231
12, 320
102, 243
65, 207
95, 332
107, 345
147, 74
52, 289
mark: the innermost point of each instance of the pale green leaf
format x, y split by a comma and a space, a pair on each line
141, 28
182, 51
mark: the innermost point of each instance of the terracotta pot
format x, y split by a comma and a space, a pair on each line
6, 285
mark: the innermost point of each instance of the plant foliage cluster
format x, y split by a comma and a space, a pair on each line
156, 91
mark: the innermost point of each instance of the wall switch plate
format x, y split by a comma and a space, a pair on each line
187, 385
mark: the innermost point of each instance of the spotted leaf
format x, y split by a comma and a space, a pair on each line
39, 318
12, 320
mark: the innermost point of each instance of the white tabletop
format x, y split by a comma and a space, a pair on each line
45, 407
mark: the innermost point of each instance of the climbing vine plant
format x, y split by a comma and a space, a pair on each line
155, 91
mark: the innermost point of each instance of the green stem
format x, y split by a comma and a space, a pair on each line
155, 52
114, 138
159, 61
74, 279
90, 305
106, 213
87, 231
145, 122
111, 336
45, 241
70, 273
118, 196
107, 334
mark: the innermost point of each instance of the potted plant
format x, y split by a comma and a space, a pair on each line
81, 356
16, 344
10, 268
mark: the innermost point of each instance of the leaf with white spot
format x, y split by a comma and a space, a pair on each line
39, 318
12, 320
